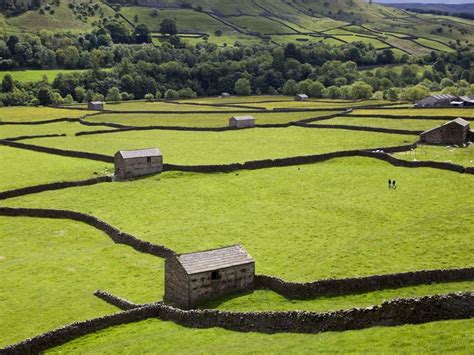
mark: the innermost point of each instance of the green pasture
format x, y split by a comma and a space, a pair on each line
260, 24
68, 128
447, 336
314, 103
414, 125
300, 223
297, 39
455, 155
157, 106
413, 112
354, 38
199, 120
434, 45
51, 268
243, 100
17, 165
194, 148
37, 75
31, 114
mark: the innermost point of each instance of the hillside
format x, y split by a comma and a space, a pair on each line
225, 22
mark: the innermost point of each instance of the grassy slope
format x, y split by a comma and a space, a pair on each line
17, 165
448, 113
200, 120
449, 336
30, 114
278, 213
415, 124
69, 128
231, 146
462, 156
37, 75
159, 106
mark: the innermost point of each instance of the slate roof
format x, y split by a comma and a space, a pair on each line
458, 121
243, 118
96, 102
304, 96
140, 153
444, 97
214, 259
469, 99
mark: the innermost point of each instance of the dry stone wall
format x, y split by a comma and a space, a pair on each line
391, 313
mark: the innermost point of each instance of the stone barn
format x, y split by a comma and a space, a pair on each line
95, 105
134, 163
443, 100
452, 132
191, 279
242, 122
301, 97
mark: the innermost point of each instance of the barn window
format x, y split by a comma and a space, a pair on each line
215, 275
148, 160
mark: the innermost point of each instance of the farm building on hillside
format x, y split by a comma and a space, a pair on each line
225, 94
134, 163
301, 97
443, 100
191, 279
452, 132
466, 101
95, 105
242, 122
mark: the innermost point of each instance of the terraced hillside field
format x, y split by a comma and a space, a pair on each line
314, 204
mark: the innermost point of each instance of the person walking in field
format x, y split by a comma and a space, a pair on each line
394, 184
389, 183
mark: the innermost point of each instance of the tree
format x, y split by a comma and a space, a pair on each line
45, 96
171, 94
242, 87
361, 90
79, 93
168, 27
415, 93
8, 85
290, 87
149, 97
141, 34
113, 95
315, 89
391, 94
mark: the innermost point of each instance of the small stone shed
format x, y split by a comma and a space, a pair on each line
95, 105
442, 100
301, 97
225, 94
191, 279
242, 122
134, 163
452, 132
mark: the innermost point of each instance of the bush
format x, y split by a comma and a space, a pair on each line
242, 87
187, 93
171, 94
149, 97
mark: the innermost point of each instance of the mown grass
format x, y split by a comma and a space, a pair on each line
30, 114
200, 120
37, 75
447, 336
317, 104
193, 148
300, 223
434, 45
22, 168
158, 106
451, 112
354, 38
414, 124
260, 24
69, 128
462, 156
51, 269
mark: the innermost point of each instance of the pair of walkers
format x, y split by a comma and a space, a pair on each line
392, 184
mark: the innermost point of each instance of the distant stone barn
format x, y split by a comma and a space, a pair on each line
442, 100
134, 163
301, 97
95, 105
453, 132
191, 279
242, 122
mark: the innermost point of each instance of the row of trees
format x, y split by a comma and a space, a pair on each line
145, 72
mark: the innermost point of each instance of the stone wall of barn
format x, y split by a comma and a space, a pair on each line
241, 123
176, 284
129, 168
448, 134
210, 285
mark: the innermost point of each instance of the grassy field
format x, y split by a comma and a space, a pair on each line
462, 156
448, 113
199, 120
228, 147
48, 168
37, 75
434, 45
300, 223
448, 336
157, 106
31, 114
415, 124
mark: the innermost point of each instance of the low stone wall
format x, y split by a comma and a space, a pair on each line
338, 287
391, 313
118, 302
52, 186
62, 152
116, 235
